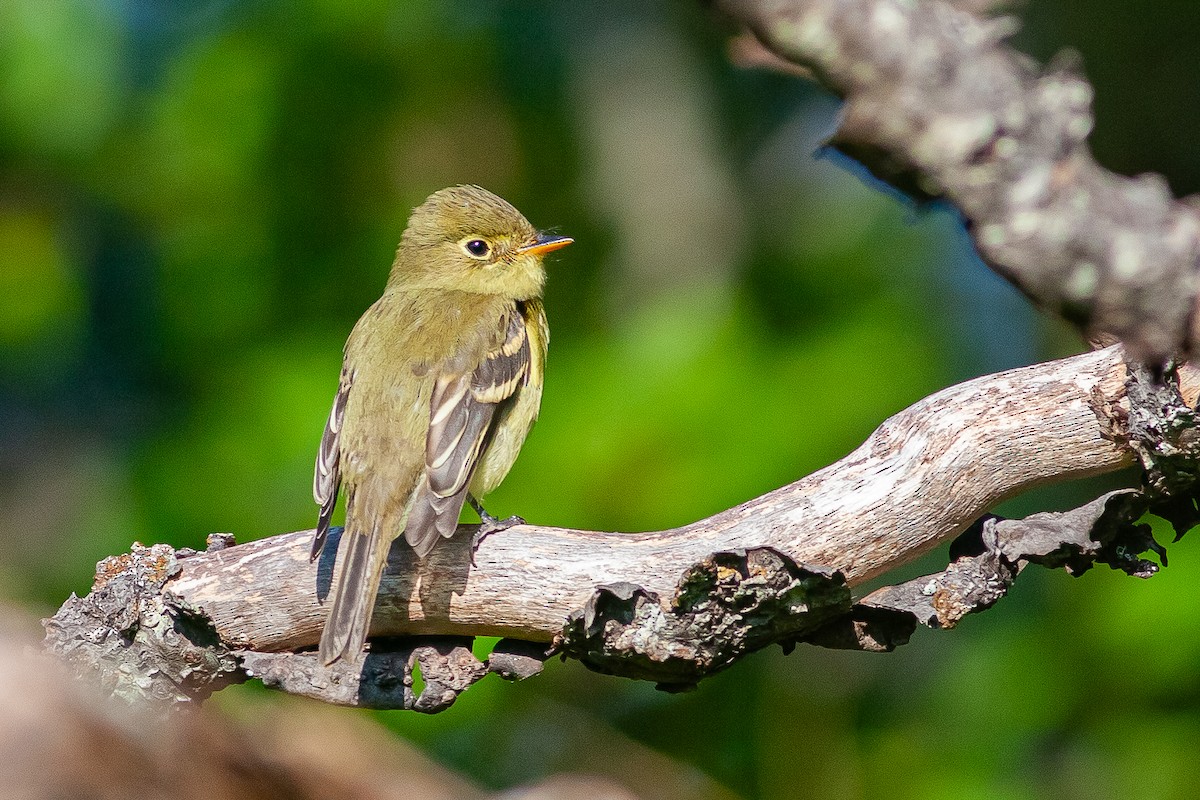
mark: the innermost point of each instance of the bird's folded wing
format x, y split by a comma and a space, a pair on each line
327, 475
462, 409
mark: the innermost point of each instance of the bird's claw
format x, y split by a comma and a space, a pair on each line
489, 525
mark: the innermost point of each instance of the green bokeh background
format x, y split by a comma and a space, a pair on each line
197, 200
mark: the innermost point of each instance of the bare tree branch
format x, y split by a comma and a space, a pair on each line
922, 477
670, 606
936, 103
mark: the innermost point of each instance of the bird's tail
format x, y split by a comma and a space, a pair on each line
363, 559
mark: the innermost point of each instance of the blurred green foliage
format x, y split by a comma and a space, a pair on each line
198, 199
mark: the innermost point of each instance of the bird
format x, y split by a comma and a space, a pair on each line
441, 381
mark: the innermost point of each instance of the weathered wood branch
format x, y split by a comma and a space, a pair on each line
938, 104
686, 601
922, 477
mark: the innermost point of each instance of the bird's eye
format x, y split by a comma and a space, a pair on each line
478, 248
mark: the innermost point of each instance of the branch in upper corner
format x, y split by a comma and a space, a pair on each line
935, 101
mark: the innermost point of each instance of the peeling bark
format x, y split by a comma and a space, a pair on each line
728, 605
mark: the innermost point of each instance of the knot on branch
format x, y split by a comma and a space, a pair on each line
729, 604
1160, 428
139, 643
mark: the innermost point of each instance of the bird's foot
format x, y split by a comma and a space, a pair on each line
489, 525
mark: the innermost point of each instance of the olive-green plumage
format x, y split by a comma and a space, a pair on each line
441, 382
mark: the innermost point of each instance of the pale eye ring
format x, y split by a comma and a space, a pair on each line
477, 248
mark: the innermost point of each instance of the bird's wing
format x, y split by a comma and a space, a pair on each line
462, 409
327, 475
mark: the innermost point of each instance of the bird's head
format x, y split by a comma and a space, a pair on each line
467, 238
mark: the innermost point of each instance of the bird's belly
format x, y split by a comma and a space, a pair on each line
498, 459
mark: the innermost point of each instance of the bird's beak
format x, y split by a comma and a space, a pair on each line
545, 243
